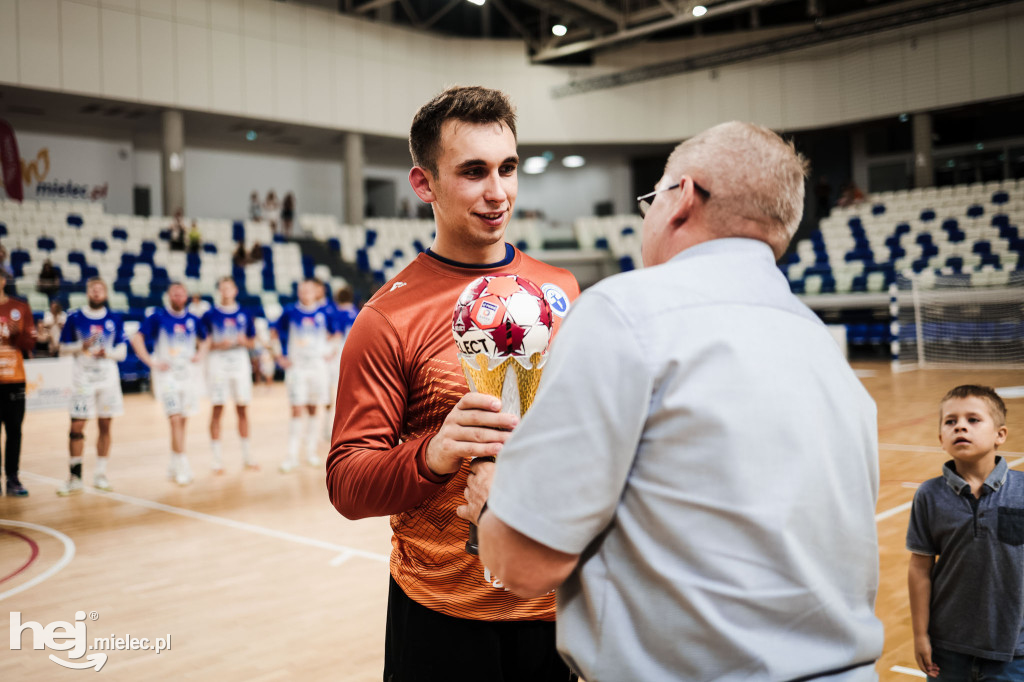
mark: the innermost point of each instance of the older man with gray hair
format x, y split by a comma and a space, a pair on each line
698, 474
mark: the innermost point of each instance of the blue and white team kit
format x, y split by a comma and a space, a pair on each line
229, 371
306, 339
95, 382
171, 338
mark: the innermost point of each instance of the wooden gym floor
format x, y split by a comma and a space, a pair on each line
254, 576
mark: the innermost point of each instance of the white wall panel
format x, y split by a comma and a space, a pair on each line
920, 79
226, 15
989, 68
258, 19
826, 89
766, 92
289, 22
130, 5
156, 40
120, 48
192, 11
258, 83
227, 75
1015, 53
855, 76
289, 77
9, 41
953, 64
346, 91
735, 96
318, 27
39, 43
798, 105
193, 66
887, 95
318, 87
80, 47
161, 9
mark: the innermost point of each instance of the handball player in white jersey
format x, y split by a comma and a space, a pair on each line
307, 339
94, 337
230, 334
168, 343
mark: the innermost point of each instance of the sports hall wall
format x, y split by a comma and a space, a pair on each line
286, 62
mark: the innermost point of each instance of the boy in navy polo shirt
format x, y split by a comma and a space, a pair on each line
967, 607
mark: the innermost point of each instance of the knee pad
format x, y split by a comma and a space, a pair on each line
76, 436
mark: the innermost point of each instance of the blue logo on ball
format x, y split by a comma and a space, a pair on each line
556, 298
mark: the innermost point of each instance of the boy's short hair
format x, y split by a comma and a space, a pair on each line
227, 278
473, 104
995, 404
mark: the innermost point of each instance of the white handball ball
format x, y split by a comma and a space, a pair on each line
502, 316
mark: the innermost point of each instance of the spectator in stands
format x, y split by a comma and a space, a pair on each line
49, 279
239, 257
255, 207
178, 232
255, 255
50, 328
195, 238
3, 259
287, 214
272, 211
850, 195
823, 196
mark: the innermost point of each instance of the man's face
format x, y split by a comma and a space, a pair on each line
308, 294
476, 184
228, 292
177, 297
97, 294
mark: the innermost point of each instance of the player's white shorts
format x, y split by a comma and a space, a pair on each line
307, 385
229, 376
333, 374
178, 390
90, 399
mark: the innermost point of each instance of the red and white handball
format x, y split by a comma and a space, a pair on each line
502, 316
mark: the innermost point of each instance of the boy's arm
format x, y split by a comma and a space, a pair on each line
919, 582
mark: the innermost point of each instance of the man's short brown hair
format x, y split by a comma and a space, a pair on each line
996, 406
472, 104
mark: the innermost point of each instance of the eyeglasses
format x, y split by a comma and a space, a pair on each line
644, 202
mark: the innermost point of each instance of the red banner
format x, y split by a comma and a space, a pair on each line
10, 162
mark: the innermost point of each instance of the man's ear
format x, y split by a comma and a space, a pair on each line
422, 183
685, 201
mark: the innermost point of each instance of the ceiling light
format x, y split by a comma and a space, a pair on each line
573, 161
700, 10
558, 29
478, 2
535, 165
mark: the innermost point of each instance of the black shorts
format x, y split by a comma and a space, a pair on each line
423, 646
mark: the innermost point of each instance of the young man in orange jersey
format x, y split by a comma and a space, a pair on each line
406, 426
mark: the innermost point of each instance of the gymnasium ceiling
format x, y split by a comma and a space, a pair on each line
594, 26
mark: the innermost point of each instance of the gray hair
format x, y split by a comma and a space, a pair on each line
751, 173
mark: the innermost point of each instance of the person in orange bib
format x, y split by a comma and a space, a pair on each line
17, 339
406, 425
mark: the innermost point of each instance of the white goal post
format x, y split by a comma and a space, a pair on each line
941, 321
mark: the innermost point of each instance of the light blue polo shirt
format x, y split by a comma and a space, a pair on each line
700, 440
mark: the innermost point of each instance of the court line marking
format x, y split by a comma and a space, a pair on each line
69, 554
220, 520
913, 672
33, 553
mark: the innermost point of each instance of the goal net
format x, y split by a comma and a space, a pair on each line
942, 321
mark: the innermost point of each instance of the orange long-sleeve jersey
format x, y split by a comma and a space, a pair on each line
400, 377
17, 336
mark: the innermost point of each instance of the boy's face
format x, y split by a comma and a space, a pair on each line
968, 430
228, 292
476, 184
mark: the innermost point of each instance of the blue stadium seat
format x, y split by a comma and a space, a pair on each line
418, 245
1000, 220
74, 220
878, 209
626, 263
279, 239
371, 238
119, 233
927, 215
601, 243
209, 248
902, 229
975, 211
238, 231
627, 230
363, 260
98, 245
308, 265
46, 244
334, 244
956, 263
522, 245
3, 229
982, 247
164, 235
1000, 197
